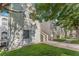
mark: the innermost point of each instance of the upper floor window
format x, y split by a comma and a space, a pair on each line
4, 23
4, 19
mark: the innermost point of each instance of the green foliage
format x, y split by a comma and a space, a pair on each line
76, 41
66, 14
69, 17
48, 11
60, 40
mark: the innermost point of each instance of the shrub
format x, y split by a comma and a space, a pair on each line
76, 41
60, 40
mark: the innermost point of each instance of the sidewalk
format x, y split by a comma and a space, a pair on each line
74, 47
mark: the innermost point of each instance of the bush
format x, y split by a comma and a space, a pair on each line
67, 37
60, 40
76, 41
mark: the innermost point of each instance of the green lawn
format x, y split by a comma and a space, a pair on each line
41, 50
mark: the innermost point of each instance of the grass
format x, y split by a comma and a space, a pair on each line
40, 50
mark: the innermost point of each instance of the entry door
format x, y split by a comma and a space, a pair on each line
4, 39
27, 36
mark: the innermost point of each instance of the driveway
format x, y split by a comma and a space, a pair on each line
74, 47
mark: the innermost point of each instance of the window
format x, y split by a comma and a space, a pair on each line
4, 35
3, 44
3, 39
4, 23
26, 34
4, 19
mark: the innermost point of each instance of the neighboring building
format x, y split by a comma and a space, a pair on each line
4, 30
45, 31
50, 31
17, 29
27, 31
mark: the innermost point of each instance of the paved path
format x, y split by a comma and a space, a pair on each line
74, 47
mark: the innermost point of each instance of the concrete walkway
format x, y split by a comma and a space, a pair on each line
74, 47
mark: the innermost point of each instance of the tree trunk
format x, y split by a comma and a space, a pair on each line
65, 32
77, 32
70, 35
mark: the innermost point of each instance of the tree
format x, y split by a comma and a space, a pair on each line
66, 14
70, 19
